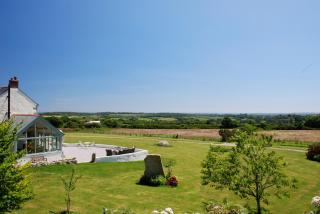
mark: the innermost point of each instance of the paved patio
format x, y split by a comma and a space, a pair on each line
83, 153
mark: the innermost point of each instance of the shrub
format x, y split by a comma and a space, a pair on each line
268, 139
219, 149
226, 134
15, 186
248, 128
168, 164
314, 152
153, 181
172, 181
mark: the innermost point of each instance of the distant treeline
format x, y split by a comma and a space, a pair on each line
184, 121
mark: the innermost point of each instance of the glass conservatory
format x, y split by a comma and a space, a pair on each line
37, 135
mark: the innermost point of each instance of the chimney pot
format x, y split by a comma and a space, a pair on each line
14, 82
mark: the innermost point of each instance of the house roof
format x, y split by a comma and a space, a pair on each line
5, 89
24, 121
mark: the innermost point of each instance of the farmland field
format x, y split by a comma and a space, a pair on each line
291, 135
114, 184
210, 133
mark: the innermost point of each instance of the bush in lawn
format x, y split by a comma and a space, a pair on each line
226, 134
170, 179
314, 152
153, 181
168, 164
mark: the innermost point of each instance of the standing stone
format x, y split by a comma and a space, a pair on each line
93, 158
153, 166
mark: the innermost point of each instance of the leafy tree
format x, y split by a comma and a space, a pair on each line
55, 121
14, 185
111, 123
249, 170
73, 122
226, 134
248, 128
228, 123
313, 122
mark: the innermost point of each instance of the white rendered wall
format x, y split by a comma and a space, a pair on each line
20, 104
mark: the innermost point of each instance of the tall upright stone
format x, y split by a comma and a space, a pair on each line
153, 166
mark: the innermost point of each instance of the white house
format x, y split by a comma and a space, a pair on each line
20, 103
36, 136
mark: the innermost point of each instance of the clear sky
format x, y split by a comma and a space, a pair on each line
164, 56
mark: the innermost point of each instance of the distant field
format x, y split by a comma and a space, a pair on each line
210, 133
295, 135
292, 135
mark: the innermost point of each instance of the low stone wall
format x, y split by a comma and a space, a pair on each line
83, 154
138, 155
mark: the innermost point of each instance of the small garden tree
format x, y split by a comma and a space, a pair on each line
69, 186
249, 170
14, 185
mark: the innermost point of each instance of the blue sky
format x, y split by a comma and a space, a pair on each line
164, 56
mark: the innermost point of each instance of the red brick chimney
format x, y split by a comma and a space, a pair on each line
14, 82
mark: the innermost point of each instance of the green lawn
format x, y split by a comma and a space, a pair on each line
114, 184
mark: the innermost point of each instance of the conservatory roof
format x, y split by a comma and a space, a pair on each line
24, 121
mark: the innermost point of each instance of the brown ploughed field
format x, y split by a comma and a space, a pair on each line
295, 135
210, 133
